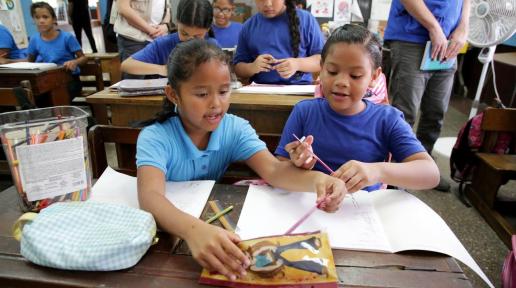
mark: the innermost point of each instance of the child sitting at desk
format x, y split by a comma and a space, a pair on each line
267, 56
226, 32
9, 52
193, 138
352, 135
52, 45
194, 18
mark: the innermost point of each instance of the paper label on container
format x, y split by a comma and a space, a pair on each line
52, 169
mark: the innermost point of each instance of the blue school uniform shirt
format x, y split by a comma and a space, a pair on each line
58, 50
157, 51
167, 147
227, 36
368, 136
7, 42
403, 27
262, 35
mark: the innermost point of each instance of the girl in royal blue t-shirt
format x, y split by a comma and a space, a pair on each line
266, 54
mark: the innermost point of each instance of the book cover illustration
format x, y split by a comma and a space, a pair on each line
297, 260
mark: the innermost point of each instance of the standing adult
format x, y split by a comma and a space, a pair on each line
79, 18
137, 23
411, 24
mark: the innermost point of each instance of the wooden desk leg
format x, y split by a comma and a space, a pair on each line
100, 113
486, 183
114, 71
59, 96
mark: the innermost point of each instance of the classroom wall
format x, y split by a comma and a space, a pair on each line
29, 24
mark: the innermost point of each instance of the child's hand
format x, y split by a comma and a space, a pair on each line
286, 67
3, 60
70, 65
301, 153
330, 192
263, 63
214, 248
358, 175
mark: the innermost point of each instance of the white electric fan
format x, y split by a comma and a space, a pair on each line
491, 22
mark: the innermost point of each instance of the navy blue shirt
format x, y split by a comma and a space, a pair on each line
403, 27
7, 42
368, 136
262, 35
157, 51
227, 36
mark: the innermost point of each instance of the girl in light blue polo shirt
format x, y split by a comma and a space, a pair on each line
193, 138
194, 18
279, 45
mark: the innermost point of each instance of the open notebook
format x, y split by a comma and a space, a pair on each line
277, 89
28, 66
384, 221
115, 187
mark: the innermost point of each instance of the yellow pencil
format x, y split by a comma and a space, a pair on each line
217, 216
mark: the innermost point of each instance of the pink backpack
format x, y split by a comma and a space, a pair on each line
509, 267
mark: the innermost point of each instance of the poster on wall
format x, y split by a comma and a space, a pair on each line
11, 17
321, 8
342, 13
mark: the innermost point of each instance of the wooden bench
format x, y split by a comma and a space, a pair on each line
493, 171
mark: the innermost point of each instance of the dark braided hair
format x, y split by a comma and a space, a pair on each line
197, 13
182, 63
293, 23
356, 34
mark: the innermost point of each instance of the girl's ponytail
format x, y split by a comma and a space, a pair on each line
293, 22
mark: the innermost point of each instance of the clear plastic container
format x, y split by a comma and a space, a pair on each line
47, 151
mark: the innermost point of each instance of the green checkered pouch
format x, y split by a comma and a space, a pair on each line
86, 236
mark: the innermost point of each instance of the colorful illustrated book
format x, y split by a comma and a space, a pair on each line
427, 64
296, 260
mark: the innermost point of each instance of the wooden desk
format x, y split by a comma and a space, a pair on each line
266, 113
55, 81
160, 268
110, 63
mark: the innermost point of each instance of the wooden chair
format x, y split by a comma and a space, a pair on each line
125, 138
18, 96
493, 171
91, 72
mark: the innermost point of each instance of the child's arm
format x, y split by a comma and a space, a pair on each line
262, 63
80, 60
284, 175
418, 171
132, 66
213, 247
289, 66
4, 53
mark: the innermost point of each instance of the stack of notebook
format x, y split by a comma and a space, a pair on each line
137, 87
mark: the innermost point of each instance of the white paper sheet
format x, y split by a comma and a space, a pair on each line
115, 187
385, 220
278, 89
28, 66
